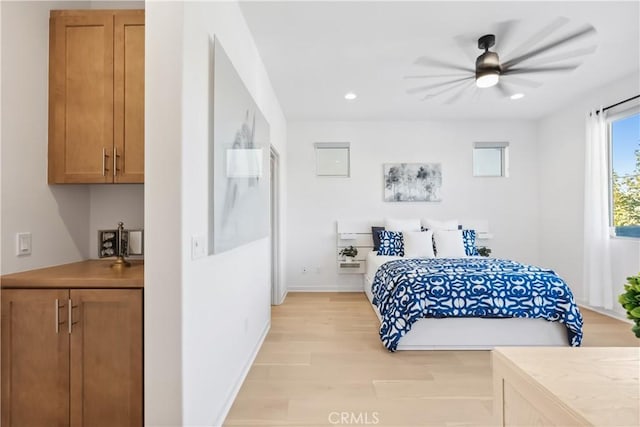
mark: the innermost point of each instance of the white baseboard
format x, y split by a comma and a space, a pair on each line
326, 289
245, 370
605, 312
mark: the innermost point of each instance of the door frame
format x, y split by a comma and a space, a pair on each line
277, 292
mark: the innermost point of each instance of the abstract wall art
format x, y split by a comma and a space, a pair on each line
238, 159
412, 182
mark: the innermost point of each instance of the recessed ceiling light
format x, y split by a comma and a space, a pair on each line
350, 96
517, 96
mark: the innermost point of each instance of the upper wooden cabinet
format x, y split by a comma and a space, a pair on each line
96, 96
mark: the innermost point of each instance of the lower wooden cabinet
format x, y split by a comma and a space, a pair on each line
72, 357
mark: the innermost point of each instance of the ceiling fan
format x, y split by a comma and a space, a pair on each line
489, 71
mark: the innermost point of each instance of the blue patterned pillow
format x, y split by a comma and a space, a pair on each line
469, 239
391, 243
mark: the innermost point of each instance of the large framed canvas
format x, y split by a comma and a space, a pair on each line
412, 182
238, 159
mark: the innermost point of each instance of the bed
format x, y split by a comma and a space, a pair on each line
484, 332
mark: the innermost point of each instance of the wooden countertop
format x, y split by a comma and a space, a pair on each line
601, 385
83, 274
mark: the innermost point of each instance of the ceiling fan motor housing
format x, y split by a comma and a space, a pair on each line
487, 63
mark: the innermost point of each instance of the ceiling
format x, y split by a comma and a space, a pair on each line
315, 52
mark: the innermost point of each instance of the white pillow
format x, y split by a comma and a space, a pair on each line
449, 243
432, 224
401, 224
418, 244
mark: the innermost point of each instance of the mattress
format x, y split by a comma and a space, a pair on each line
374, 261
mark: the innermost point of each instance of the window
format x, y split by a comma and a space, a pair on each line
332, 158
624, 149
490, 159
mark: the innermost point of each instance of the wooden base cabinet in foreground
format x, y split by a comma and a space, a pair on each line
564, 386
72, 357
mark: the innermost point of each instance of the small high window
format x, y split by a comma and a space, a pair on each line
332, 159
490, 159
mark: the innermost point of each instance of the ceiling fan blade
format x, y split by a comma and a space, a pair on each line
518, 81
502, 31
467, 45
429, 76
457, 95
434, 94
539, 69
584, 31
430, 62
563, 56
503, 90
436, 85
539, 36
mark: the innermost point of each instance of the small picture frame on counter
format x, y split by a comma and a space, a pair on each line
107, 243
132, 243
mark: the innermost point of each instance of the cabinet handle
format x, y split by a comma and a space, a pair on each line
57, 316
115, 165
105, 156
58, 322
70, 311
70, 316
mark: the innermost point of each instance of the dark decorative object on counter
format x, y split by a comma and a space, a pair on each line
121, 248
484, 251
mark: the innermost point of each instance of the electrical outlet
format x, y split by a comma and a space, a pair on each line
198, 248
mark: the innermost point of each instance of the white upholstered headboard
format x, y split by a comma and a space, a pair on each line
358, 233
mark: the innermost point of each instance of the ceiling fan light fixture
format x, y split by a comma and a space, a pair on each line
488, 64
487, 79
350, 96
517, 96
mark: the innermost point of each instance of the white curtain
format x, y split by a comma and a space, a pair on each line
597, 244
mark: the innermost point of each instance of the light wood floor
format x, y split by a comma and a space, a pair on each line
323, 360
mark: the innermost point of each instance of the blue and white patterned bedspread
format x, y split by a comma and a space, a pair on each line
407, 290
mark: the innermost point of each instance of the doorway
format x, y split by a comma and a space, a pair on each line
275, 226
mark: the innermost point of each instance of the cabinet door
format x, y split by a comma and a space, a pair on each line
106, 358
80, 97
35, 358
129, 96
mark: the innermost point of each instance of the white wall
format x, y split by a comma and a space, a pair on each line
561, 137
221, 303
57, 216
115, 4
315, 203
163, 231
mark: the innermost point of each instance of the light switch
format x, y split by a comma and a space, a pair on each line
23, 244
